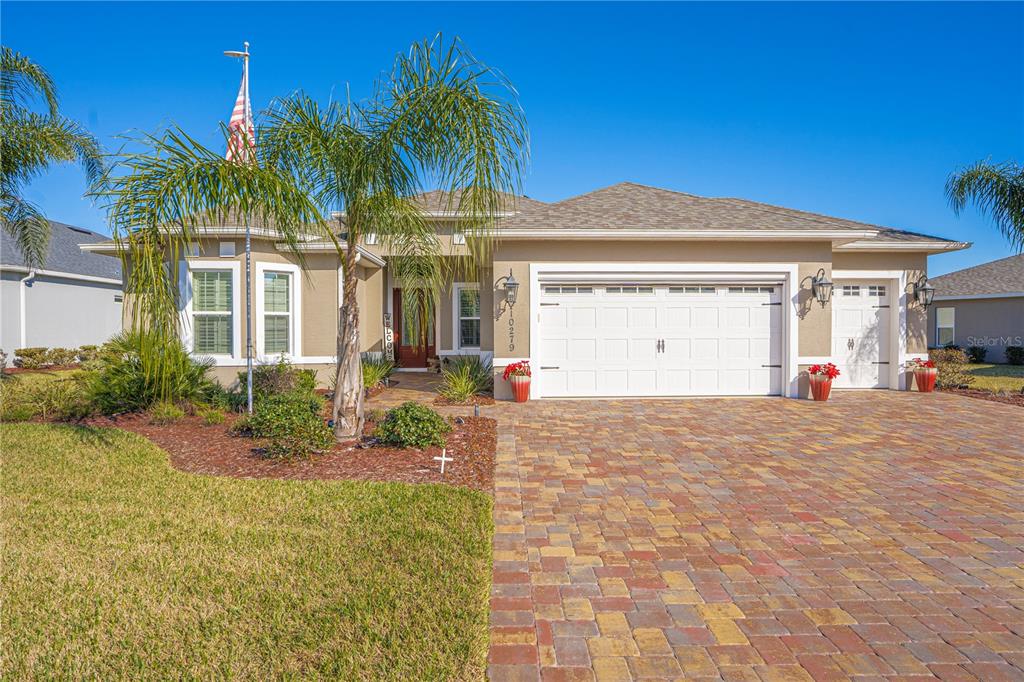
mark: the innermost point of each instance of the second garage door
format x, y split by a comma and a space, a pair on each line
660, 340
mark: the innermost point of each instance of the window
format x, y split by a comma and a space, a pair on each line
945, 326
227, 249
277, 317
193, 249
751, 290
851, 290
692, 289
629, 290
467, 298
876, 290
458, 237
371, 238
568, 290
211, 312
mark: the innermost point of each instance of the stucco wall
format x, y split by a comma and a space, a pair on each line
59, 313
992, 323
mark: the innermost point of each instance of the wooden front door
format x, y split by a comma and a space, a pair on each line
412, 346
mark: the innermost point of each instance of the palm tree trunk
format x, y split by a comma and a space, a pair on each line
348, 393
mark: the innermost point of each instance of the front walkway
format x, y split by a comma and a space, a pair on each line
880, 534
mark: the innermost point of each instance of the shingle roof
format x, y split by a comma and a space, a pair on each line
64, 254
436, 200
631, 206
1003, 276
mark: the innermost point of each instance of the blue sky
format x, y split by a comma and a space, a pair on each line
853, 110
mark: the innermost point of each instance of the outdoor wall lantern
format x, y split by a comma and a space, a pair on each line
821, 287
923, 291
511, 287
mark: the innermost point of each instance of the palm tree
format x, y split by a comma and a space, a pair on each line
30, 143
440, 117
996, 189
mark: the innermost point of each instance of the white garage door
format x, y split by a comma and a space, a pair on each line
660, 340
860, 333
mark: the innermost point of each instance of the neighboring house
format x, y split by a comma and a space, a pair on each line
73, 300
980, 306
625, 291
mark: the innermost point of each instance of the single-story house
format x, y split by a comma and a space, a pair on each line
624, 291
980, 306
73, 300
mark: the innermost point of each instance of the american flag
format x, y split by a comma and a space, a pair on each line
242, 138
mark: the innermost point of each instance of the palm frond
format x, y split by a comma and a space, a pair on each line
27, 226
996, 190
22, 81
30, 143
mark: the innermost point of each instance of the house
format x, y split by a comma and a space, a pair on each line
624, 291
980, 306
73, 300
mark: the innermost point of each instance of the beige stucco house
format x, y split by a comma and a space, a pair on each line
980, 306
626, 291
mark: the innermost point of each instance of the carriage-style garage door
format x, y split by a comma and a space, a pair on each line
660, 340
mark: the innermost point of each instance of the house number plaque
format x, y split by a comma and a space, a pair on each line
511, 333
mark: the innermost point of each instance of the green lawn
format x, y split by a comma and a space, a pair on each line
117, 566
997, 377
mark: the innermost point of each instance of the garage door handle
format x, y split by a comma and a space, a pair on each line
779, 366
778, 303
546, 367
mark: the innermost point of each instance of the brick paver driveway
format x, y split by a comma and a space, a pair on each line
880, 534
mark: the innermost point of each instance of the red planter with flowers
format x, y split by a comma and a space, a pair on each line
821, 380
925, 374
518, 374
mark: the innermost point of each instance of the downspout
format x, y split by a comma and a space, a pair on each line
22, 312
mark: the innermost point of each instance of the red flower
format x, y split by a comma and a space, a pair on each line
918, 363
517, 369
828, 369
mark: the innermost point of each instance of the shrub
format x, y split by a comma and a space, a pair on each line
950, 363
212, 416
165, 413
31, 358
466, 376
87, 354
64, 399
61, 356
375, 370
293, 423
1015, 355
976, 354
136, 371
412, 425
277, 379
376, 415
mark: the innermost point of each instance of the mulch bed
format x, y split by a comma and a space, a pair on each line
475, 400
40, 370
199, 448
1007, 398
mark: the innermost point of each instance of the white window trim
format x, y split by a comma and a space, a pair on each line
294, 306
699, 273
938, 326
457, 317
185, 269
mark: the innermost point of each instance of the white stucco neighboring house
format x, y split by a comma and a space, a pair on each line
74, 299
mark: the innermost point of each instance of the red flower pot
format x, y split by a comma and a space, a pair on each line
925, 378
821, 386
520, 388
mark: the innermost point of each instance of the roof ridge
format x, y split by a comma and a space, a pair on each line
986, 264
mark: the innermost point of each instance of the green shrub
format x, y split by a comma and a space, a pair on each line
137, 370
1015, 355
951, 370
212, 416
375, 370
293, 423
376, 415
61, 398
31, 358
165, 413
976, 354
465, 376
412, 425
61, 356
277, 379
88, 354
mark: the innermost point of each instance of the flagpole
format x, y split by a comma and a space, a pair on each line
248, 245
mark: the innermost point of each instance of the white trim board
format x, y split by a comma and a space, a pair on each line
786, 273
60, 274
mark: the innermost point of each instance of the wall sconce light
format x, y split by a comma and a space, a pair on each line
923, 292
821, 287
511, 287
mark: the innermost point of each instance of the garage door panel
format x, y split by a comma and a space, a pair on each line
659, 340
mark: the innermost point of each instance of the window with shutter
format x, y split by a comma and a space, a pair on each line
277, 318
212, 322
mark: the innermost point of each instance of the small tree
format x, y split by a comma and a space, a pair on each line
439, 117
996, 189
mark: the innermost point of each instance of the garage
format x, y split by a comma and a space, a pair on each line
860, 332
628, 339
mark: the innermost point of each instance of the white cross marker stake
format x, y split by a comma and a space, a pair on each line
444, 458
